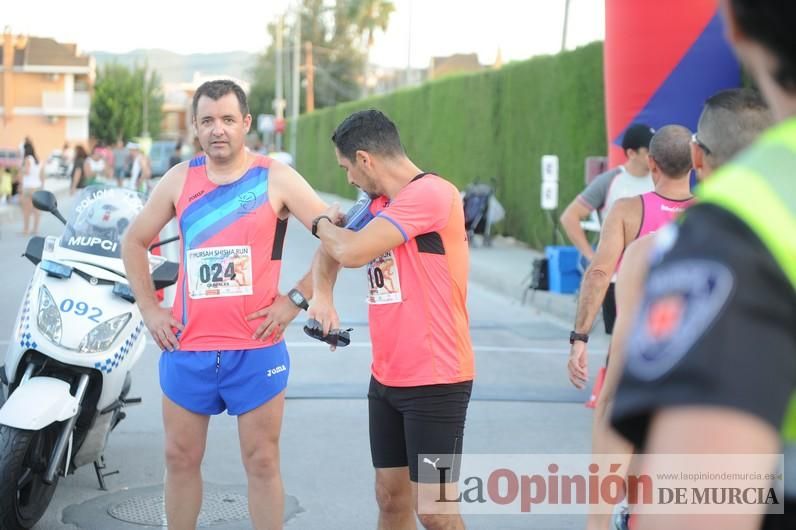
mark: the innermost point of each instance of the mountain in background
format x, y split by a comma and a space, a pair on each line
175, 68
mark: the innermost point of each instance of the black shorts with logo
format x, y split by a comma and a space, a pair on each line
418, 420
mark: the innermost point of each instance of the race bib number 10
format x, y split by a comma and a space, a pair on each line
220, 271
384, 287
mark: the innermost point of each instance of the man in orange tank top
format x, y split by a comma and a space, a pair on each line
416, 254
222, 341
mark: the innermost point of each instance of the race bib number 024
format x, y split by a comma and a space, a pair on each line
220, 271
384, 287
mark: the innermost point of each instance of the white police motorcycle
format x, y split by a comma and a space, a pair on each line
77, 336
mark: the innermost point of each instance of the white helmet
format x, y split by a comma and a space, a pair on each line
107, 214
103, 216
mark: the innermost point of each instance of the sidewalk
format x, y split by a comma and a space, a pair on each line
505, 267
12, 212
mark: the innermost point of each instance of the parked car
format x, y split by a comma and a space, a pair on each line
10, 157
159, 155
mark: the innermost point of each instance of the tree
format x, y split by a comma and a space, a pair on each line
117, 103
335, 30
372, 15
263, 73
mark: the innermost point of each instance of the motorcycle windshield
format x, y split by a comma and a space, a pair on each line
99, 217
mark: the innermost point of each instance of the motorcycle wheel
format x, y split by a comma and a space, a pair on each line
24, 455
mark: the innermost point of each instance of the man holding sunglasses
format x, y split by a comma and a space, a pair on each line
416, 253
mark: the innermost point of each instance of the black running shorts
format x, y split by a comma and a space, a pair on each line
418, 420
609, 309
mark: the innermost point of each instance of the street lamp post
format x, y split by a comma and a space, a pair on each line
296, 97
279, 100
566, 21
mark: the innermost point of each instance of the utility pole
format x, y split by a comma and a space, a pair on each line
296, 99
310, 77
279, 100
409, 47
566, 20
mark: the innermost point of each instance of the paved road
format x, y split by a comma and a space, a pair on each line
522, 403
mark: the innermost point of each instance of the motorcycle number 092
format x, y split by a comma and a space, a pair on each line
81, 309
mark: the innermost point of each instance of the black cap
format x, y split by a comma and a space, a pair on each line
638, 135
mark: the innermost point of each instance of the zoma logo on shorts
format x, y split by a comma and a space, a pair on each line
275, 370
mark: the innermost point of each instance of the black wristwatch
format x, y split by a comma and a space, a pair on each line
297, 298
316, 221
573, 336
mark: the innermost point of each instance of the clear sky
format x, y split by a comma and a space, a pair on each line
520, 28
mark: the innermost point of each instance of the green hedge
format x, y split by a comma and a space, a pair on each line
489, 124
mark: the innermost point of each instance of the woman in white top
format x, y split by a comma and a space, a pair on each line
94, 167
32, 180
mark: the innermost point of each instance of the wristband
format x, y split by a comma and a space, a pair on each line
316, 221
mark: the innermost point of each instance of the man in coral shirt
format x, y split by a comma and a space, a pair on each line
415, 250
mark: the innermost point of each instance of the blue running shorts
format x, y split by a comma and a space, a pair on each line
209, 382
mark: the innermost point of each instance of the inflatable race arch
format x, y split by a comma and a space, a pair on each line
662, 60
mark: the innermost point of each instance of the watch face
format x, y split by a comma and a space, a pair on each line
296, 297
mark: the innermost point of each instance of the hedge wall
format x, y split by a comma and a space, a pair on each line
489, 124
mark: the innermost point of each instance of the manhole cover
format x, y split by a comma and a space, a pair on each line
217, 507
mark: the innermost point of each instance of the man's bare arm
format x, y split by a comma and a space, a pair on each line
355, 249
594, 286
570, 221
158, 211
290, 193
324, 276
710, 430
598, 275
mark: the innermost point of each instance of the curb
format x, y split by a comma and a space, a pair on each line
492, 276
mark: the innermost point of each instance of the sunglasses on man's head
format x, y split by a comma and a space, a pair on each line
695, 139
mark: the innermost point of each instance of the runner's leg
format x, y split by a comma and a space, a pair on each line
451, 520
434, 418
394, 497
259, 445
388, 453
186, 436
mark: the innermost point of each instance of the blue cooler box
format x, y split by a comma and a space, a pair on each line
563, 269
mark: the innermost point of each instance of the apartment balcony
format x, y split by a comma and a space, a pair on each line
76, 104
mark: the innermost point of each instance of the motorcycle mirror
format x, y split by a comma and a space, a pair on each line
45, 201
163, 242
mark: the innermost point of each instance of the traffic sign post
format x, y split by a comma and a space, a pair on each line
549, 192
